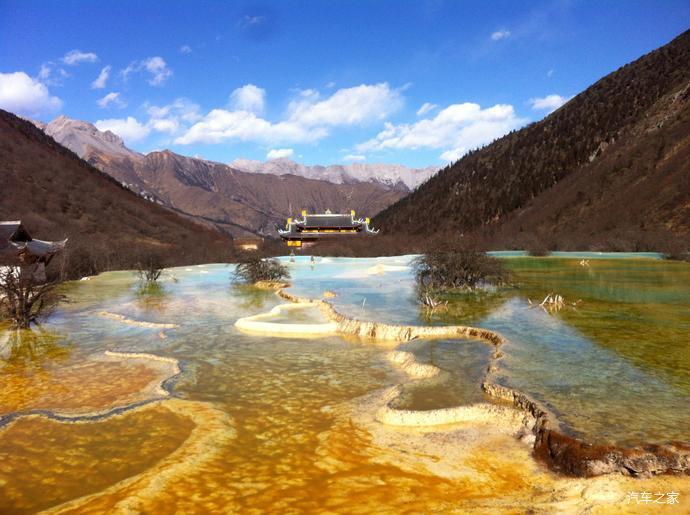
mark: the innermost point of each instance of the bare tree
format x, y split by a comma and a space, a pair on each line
253, 268
24, 296
150, 267
457, 268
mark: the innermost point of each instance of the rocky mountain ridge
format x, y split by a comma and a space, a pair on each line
57, 195
393, 175
239, 202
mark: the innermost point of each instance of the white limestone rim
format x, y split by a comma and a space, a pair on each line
172, 362
407, 361
481, 412
378, 269
255, 324
156, 389
137, 323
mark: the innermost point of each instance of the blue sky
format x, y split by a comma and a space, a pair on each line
411, 82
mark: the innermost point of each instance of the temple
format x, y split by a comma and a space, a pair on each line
19, 249
313, 227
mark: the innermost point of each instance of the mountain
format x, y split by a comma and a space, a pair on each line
390, 174
609, 169
239, 202
80, 136
58, 195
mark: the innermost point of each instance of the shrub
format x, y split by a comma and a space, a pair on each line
252, 269
536, 246
24, 296
150, 268
459, 268
675, 250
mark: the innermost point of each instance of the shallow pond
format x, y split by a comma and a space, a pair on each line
625, 328
615, 367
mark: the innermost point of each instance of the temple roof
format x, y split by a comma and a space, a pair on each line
328, 220
314, 226
16, 241
40, 248
13, 230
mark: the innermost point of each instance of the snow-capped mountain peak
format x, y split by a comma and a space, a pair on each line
390, 174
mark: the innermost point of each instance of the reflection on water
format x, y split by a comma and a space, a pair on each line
463, 363
22, 349
614, 369
628, 334
83, 458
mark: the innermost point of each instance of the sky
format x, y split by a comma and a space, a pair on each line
418, 83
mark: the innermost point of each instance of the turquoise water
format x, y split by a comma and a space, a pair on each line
580, 255
615, 368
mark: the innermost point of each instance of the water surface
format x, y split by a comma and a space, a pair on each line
614, 368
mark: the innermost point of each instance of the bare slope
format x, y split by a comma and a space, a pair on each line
240, 202
237, 201
57, 195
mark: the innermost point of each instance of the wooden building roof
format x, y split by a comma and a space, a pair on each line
319, 225
18, 247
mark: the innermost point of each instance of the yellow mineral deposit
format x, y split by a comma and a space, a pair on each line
96, 385
291, 443
47, 462
211, 431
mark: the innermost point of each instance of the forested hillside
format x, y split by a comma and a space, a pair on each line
609, 168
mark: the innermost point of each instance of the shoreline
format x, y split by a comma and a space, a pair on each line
563, 454
158, 390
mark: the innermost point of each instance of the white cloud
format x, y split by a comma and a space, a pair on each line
21, 94
349, 106
354, 158
310, 95
330, 85
45, 71
457, 129
156, 66
51, 75
102, 78
222, 125
74, 57
548, 103
277, 153
129, 129
550, 73
167, 125
131, 68
248, 98
158, 69
500, 34
172, 117
185, 49
112, 98
426, 107
248, 21
308, 118
453, 155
